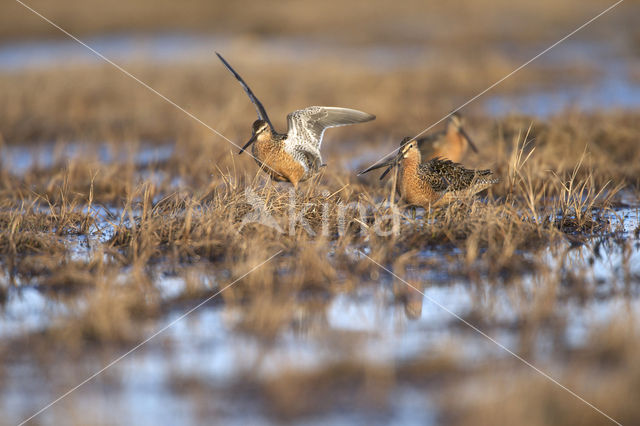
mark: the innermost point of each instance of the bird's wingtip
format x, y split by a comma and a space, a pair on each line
224, 61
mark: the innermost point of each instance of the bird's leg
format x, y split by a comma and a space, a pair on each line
394, 183
427, 212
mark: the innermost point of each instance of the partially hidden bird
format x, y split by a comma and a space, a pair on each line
451, 143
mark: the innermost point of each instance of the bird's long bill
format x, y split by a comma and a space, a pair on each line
246, 145
388, 164
471, 144
391, 166
377, 166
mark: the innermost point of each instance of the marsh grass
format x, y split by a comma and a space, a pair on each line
499, 237
155, 227
98, 236
134, 228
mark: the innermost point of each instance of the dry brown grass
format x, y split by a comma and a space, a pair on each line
497, 238
97, 236
554, 175
525, 213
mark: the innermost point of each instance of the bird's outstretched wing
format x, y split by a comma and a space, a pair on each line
310, 123
262, 114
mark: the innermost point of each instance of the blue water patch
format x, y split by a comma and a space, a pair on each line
177, 47
160, 48
614, 90
19, 159
612, 86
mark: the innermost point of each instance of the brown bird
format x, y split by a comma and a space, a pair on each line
294, 156
436, 182
451, 143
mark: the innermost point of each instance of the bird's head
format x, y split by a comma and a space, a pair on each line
257, 128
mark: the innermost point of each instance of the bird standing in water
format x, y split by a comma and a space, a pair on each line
436, 182
294, 156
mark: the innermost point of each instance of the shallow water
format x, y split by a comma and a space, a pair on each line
27, 311
18, 159
385, 324
161, 48
176, 47
612, 87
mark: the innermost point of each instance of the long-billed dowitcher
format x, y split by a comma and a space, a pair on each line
451, 143
294, 156
438, 181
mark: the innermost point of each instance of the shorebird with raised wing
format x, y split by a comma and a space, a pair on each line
294, 156
436, 182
